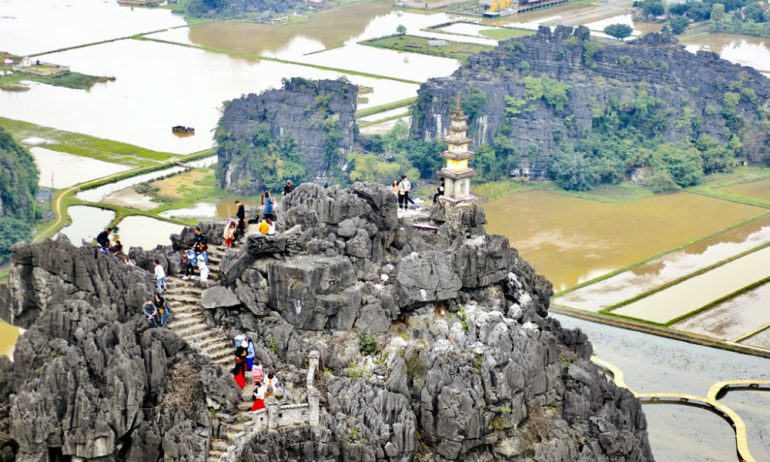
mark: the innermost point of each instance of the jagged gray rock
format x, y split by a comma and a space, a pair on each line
219, 297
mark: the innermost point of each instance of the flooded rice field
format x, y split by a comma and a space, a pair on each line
740, 49
733, 318
654, 364
62, 170
669, 267
146, 232
102, 192
8, 336
87, 222
572, 240
757, 189
760, 340
209, 80
38, 26
699, 291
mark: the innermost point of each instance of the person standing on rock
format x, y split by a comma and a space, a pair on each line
160, 276
151, 313
404, 186
189, 263
199, 239
258, 373
229, 234
250, 355
241, 215
259, 397
288, 188
439, 192
269, 210
103, 239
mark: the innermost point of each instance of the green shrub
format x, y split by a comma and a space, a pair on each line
367, 344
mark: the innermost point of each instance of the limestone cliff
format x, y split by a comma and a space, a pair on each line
435, 344
301, 131
89, 379
690, 94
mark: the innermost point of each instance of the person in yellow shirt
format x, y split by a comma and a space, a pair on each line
263, 227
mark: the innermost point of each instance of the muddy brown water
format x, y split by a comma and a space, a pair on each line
669, 267
572, 240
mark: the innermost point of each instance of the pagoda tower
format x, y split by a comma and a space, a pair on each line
456, 173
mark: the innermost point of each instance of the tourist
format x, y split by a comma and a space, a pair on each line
199, 239
103, 239
439, 192
259, 397
404, 186
151, 313
160, 276
288, 188
258, 373
203, 267
241, 215
229, 234
189, 263
250, 355
117, 250
269, 210
161, 306
273, 386
263, 227
239, 372
394, 188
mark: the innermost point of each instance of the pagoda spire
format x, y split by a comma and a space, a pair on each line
457, 173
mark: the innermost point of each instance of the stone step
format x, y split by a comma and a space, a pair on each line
183, 299
187, 313
184, 290
204, 342
184, 323
220, 444
202, 337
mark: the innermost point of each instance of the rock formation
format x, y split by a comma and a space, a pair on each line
90, 380
699, 93
435, 344
314, 118
18, 180
243, 9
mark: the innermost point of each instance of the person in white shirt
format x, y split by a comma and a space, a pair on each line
160, 277
404, 186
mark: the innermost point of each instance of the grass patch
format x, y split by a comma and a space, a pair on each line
372, 123
87, 146
505, 33
385, 107
607, 193
496, 189
414, 44
715, 185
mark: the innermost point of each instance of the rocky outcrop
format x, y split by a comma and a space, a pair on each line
436, 346
90, 380
243, 9
309, 125
434, 342
698, 93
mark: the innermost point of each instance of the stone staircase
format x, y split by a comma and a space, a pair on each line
184, 298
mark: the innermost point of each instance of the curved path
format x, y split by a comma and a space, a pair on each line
710, 402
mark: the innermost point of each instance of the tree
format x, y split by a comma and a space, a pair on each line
11, 232
678, 25
718, 14
619, 31
18, 179
755, 12
681, 160
653, 8
572, 171
401, 29
661, 182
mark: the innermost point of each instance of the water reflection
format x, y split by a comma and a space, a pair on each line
740, 49
569, 239
61, 170
87, 222
146, 232
669, 267
38, 26
158, 86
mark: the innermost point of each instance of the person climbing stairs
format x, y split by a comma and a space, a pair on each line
184, 297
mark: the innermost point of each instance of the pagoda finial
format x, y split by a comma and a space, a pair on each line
458, 103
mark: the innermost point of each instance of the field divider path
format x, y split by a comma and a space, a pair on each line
709, 402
